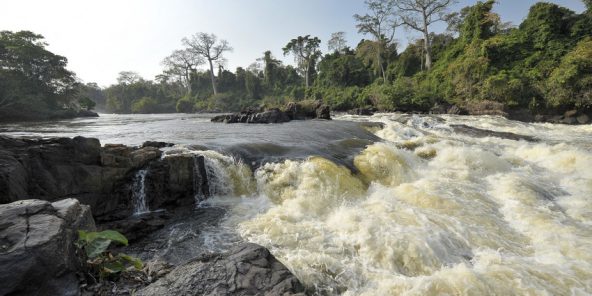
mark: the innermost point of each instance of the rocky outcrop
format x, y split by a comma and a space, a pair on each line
569, 117
248, 269
37, 253
481, 133
269, 116
486, 107
53, 169
292, 111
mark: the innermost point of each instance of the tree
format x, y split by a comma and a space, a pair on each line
337, 42
31, 77
270, 69
182, 63
381, 24
306, 52
588, 4
208, 47
128, 77
419, 15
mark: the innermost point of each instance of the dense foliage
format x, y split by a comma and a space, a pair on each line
34, 82
543, 64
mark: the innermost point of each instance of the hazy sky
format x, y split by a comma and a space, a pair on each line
102, 38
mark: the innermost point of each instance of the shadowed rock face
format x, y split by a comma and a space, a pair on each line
248, 269
53, 169
37, 254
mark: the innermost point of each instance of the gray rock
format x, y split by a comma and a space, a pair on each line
248, 269
37, 253
583, 119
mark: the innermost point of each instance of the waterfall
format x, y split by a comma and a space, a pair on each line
210, 178
139, 193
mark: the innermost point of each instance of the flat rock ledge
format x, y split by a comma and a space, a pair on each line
248, 269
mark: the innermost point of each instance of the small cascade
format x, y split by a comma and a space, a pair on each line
139, 193
210, 178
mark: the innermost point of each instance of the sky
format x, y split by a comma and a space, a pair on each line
102, 38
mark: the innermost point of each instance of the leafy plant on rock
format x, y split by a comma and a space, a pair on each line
99, 259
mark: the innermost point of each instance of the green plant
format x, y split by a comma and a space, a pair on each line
100, 261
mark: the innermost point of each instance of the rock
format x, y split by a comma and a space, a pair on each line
53, 169
481, 133
523, 115
248, 269
569, 120
486, 108
37, 253
138, 226
292, 111
439, 108
455, 110
583, 119
157, 144
324, 112
87, 113
570, 113
361, 111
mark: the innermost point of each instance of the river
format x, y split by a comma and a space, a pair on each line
418, 205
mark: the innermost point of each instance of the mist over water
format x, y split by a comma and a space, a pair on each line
414, 206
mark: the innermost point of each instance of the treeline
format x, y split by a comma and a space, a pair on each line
543, 65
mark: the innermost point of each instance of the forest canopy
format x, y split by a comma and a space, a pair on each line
543, 65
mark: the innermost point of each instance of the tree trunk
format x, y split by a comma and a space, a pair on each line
213, 77
426, 43
379, 58
306, 73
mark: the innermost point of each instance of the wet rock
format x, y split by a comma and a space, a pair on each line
455, 110
481, 133
292, 111
570, 113
53, 169
323, 112
37, 253
361, 111
87, 113
439, 108
583, 119
248, 269
138, 226
523, 115
157, 144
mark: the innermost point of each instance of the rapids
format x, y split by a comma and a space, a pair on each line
428, 211
414, 205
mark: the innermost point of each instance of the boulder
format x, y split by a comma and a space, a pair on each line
37, 253
87, 113
248, 269
583, 119
323, 112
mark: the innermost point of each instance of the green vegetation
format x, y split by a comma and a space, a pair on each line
543, 64
100, 261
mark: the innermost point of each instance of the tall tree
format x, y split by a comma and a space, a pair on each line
182, 63
210, 48
337, 42
270, 68
306, 52
381, 23
419, 15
